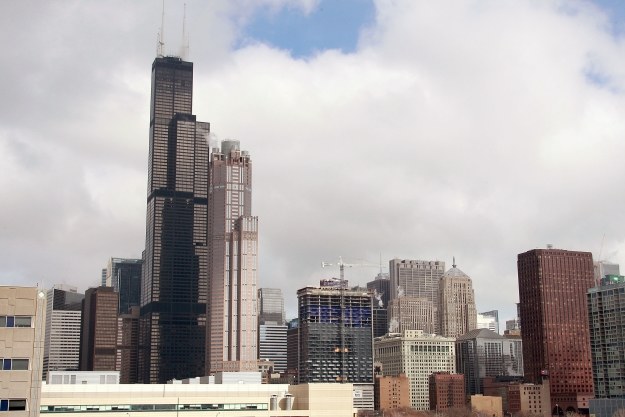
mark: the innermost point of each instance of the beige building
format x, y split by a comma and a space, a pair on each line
456, 312
199, 400
418, 355
412, 313
535, 399
486, 405
22, 334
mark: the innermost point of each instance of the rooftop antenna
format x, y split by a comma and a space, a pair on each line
453, 263
380, 263
160, 43
184, 46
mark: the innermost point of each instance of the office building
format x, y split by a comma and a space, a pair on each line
606, 311
98, 335
488, 320
174, 285
292, 348
270, 306
413, 278
198, 400
513, 324
603, 268
554, 317
456, 312
272, 345
232, 328
22, 333
412, 313
391, 392
381, 286
128, 339
417, 355
63, 317
335, 336
483, 353
380, 321
125, 276
446, 391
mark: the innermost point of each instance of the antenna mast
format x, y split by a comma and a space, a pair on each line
184, 43
161, 34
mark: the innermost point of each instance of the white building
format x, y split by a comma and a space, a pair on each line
487, 322
417, 355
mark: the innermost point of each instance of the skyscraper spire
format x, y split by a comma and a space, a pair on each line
184, 42
160, 42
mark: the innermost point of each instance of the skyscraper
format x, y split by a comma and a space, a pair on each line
98, 338
125, 276
554, 316
456, 312
270, 306
335, 336
63, 317
174, 285
381, 286
412, 313
412, 278
232, 262
606, 309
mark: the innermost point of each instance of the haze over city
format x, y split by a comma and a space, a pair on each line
409, 129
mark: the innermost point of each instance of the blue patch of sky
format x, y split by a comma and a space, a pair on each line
333, 24
616, 11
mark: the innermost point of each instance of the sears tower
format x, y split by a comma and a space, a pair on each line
174, 285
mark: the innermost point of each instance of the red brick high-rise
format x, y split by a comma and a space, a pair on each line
553, 310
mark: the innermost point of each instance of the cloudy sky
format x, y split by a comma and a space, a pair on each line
378, 128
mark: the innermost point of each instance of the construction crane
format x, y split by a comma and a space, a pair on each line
342, 287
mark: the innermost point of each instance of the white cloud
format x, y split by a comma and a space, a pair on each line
457, 128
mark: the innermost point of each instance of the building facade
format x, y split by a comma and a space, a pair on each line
392, 392
606, 311
456, 312
271, 306
272, 345
174, 284
63, 319
125, 276
232, 329
414, 278
98, 334
335, 336
483, 353
22, 332
412, 313
446, 391
552, 292
417, 355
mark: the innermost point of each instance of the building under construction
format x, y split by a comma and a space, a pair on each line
335, 335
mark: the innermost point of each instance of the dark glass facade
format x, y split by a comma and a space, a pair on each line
174, 285
98, 333
335, 336
556, 342
125, 277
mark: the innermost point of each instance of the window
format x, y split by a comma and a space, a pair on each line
13, 405
15, 321
14, 364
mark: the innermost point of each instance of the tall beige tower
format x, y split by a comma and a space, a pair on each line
232, 328
456, 312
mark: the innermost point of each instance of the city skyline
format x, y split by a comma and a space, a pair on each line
411, 138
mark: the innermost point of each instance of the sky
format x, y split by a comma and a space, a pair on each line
378, 129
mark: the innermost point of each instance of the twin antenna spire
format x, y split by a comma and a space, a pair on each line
184, 42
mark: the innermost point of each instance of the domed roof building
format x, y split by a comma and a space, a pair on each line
456, 312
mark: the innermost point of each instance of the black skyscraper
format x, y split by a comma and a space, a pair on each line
174, 287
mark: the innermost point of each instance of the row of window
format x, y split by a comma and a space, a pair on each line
13, 405
148, 407
15, 321
9, 364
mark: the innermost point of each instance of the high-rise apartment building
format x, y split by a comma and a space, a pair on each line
412, 313
483, 353
554, 316
270, 306
125, 276
22, 332
418, 355
98, 335
335, 336
174, 284
232, 262
606, 311
63, 318
456, 312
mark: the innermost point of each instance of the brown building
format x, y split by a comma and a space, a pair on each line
127, 360
391, 392
553, 313
486, 406
446, 391
98, 334
506, 387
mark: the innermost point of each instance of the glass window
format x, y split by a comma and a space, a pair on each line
10, 321
4, 405
20, 364
16, 405
3, 321
22, 321
6, 364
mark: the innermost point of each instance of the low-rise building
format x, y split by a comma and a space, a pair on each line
392, 392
